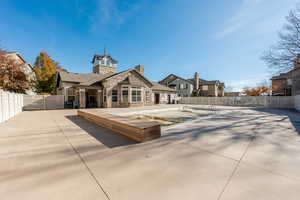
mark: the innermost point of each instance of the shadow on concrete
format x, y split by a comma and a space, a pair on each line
291, 114
241, 128
238, 127
103, 135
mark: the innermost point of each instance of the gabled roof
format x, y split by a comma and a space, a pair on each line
11, 53
176, 77
97, 79
90, 79
79, 77
286, 75
99, 57
160, 87
134, 71
205, 82
191, 80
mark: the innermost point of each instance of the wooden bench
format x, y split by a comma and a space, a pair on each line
136, 129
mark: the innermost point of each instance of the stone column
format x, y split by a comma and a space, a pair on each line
66, 93
129, 95
82, 98
108, 97
99, 98
76, 98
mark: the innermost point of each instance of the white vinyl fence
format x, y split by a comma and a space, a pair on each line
10, 105
43, 102
297, 102
263, 101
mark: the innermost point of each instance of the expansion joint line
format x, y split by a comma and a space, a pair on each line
83, 161
236, 167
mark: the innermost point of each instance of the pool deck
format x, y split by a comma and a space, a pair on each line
236, 153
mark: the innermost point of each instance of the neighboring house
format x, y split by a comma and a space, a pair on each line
26, 68
183, 86
282, 84
287, 84
194, 86
106, 87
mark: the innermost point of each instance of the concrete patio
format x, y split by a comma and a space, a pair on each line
240, 154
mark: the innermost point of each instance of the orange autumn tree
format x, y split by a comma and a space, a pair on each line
257, 91
45, 68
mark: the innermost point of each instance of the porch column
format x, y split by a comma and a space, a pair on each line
129, 95
66, 93
82, 103
108, 97
99, 98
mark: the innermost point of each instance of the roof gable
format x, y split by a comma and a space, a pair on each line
160, 87
173, 77
182, 79
124, 77
81, 78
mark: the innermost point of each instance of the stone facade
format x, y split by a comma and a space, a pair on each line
98, 69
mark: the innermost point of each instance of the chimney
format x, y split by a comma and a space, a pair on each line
140, 69
196, 80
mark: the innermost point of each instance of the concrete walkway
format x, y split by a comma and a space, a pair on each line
239, 154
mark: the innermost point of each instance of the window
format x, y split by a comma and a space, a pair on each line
71, 94
148, 97
136, 94
125, 94
71, 98
205, 87
186, 86
114, 96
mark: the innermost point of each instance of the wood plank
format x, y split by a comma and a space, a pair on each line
136, 129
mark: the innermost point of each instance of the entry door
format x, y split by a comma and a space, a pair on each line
156, 98
169, 99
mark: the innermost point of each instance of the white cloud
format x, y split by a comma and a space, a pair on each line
109, 12
257, 16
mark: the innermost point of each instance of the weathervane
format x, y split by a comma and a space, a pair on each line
104, 50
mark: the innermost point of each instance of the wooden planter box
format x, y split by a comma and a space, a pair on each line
136, 129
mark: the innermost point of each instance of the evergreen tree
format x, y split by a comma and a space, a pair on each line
45, 68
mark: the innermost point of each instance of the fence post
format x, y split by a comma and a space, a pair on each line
1, 107
44, 99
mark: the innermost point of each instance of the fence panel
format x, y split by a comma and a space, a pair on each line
54, 102
43, 102
10, 105
34, 102
262, 101
297, 102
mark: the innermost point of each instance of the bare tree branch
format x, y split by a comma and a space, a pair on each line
282, 56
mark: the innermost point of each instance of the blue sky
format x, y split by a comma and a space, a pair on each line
220, 39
